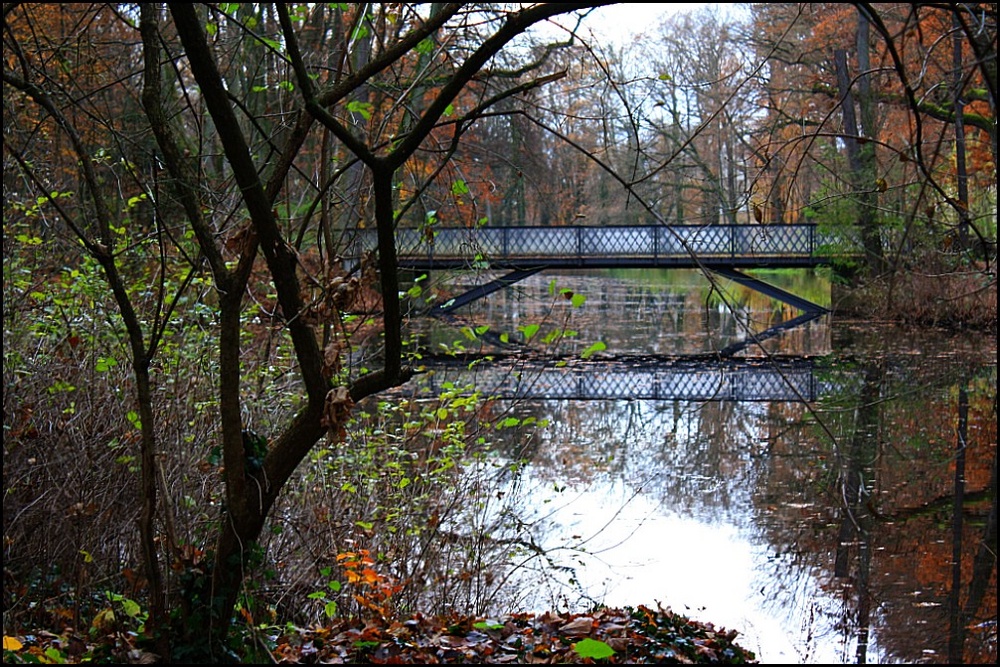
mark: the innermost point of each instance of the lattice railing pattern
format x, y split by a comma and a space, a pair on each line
658, 242
709, 382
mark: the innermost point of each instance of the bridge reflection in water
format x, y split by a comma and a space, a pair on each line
635, 378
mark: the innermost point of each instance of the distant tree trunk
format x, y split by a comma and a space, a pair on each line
962, 175
353, 207
777, 212
732, 195
861, 163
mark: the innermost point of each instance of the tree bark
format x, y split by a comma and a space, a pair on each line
863, 179
961, 173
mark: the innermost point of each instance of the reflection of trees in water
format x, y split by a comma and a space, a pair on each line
859, 532
970, 619
877, 508
689, 457
878, 517
648, 312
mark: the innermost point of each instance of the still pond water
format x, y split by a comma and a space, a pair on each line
824, 530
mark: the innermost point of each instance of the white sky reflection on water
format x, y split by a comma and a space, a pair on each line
642, 554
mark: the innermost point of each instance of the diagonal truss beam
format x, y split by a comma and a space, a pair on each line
770, 290
483, 290
811, 311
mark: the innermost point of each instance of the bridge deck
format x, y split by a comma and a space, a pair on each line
676, 246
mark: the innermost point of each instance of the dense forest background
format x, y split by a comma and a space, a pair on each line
195, 407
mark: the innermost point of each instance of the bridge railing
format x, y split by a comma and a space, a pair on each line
505, 245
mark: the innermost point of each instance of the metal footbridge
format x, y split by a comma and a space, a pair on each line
577, 247
724, 249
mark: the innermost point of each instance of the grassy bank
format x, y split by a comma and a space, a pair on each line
953, 299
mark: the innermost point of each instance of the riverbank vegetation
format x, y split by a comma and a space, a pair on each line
208, 428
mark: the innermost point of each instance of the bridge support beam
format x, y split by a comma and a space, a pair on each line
811, 311
483, 290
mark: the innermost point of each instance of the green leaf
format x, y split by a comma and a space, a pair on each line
529, 331
596, 347
459, 187
552, 336
487, 625
131, 608
359, 33
363, 108
104, 364
28, 240
593, 648
134, 201
425, 47
578, 300
215, 456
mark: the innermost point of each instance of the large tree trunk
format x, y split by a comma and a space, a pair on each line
861, 161
869, 130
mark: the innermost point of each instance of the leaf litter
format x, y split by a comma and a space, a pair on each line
639, 635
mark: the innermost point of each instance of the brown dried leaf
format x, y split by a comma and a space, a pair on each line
579, 627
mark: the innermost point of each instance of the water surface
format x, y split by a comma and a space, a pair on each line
824, 531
